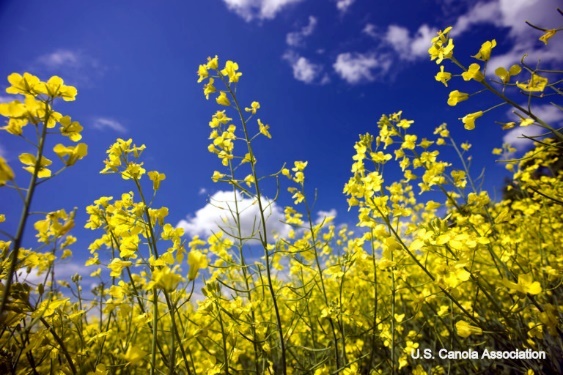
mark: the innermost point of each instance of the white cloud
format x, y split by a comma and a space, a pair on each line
358, 68
72, 65
3, 152
258, 9
217, 214
407, 47
512, 14
101, 123
343, 5
370, 30
303, 69
61, 58
323, 216
296, 38
517, 136
548, 113
481, 13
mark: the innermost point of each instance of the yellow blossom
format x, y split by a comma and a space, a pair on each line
536, 83
465, 329
30, 160
71, 154
196, 260
222, 99
484, 53
6, 173
230, 70
469, 120
254, 106
473, 73
548, 35
456, 97
443, 76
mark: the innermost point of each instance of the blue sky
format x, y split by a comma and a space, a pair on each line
323, 71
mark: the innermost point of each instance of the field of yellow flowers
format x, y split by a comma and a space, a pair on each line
408, 290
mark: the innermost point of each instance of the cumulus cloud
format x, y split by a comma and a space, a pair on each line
323, 216
102, 123
483, 12
297, 38
218, 214
357, 68
343, 5
517, 137
258, 9
512, 14
304, 70
409, 47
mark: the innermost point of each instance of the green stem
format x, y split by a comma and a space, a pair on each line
27, 206
264, 232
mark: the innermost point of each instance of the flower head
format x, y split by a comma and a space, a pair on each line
222, 99
469, 120
456, 97
484, 53
473, 73
442, 76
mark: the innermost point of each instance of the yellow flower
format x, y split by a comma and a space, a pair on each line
73, 153
165, 279
6, 173
526, 285
484, 53
230, 70
56, 88
117, 265
208, 88
409, 142
70, 128
217, 176
222, 99
456, 97
548, 35
437, 51
23, 84
196, 260
156, 177
442, 76
473, 73
535, 84
30, 160
254, 106
527, 122
213, 63
465, 329
264, 129
202, 73
469, 120
505, 75
134, 355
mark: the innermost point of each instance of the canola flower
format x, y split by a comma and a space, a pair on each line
432, 261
